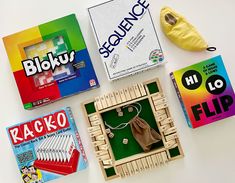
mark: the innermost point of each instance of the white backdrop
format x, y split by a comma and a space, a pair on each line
209, 150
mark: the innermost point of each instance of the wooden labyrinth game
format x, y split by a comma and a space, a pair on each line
132, 130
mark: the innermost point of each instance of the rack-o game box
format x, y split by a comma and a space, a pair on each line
50, 61
126, 36
47, 147
205, 92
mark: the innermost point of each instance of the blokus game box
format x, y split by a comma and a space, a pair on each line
50, 61
205, 92
126, 36
47, 147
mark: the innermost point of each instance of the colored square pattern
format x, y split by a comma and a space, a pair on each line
60, 37
57, 46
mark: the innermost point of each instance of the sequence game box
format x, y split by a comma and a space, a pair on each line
126, 36
50, 61
47, 147
205, 92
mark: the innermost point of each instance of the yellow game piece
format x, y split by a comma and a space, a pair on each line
181, 32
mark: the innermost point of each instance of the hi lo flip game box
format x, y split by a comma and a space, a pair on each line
50, 61
205, 92
47, 147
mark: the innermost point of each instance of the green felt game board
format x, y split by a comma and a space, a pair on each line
116, 158
119, 149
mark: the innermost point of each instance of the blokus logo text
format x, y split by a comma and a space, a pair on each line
123, 28
34, 66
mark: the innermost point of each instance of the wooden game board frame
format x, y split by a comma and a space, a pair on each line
142, 161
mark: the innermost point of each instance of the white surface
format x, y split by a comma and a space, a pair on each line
209, 150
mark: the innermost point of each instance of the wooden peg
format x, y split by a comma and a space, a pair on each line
103, 102
164, 157
160, 112
127, 94
142, 89
166, 121
132, 93
160, 101
137, 91
161, 106
98, 103
161, 117
112, 98
157, 96
171, 144
93, 117
107, 162
171, 137
170, 130
101, 153
122, 94
93, 129
125, 170
154, 160
159, 157
98, 143
107, 166
96, 133
103, 147
118, 97
130, 168
140, 165
164, 127
108, 100
103, 157
100, 137
145, 164
95, 123
120, 171
149, 161
135, 166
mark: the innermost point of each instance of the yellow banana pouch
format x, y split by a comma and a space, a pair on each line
181, 32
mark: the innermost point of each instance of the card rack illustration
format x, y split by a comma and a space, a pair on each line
115, 120
58, 154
